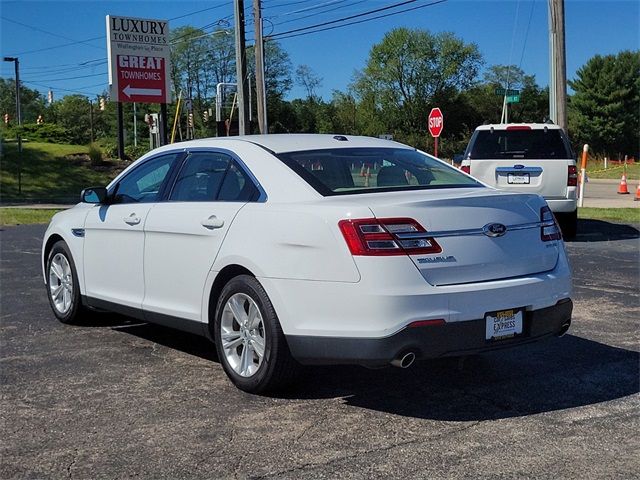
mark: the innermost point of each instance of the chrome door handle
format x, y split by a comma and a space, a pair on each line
132, 219
212, 222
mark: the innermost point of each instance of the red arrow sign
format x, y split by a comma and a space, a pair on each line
141, 79
436, 122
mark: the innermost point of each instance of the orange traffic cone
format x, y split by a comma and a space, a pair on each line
637, 198
622, 188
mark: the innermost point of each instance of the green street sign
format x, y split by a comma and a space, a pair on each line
510, 92
513, 98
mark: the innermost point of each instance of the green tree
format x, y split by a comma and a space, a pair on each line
32, 103
72, 112
309, 80
487, 106
604, 110
408, 73
277, 79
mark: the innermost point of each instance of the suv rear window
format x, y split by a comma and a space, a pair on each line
514, 144
344, 171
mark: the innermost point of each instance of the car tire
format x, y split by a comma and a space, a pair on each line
251, 345
568, 224
63, 288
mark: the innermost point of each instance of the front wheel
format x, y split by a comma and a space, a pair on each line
63, 288
250, 343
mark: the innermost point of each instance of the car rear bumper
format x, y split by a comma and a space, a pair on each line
450, 339
563, 205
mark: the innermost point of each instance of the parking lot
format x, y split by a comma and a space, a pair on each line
120, 399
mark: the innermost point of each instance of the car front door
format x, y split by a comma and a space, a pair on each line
183, 235
114, 237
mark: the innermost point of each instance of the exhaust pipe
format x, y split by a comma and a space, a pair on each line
404, 360
564, 328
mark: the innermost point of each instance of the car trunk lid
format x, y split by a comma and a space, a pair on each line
461, 221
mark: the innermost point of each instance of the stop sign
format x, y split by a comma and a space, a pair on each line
436, 122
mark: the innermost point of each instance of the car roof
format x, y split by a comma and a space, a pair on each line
292, 142
532, 126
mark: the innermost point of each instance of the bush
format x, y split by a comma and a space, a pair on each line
109, 147
47, 132
95, 154
133, 153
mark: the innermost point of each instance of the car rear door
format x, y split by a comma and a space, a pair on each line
521, 159
183, 234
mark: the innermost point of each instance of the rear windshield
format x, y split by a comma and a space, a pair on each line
514, 144
343, 171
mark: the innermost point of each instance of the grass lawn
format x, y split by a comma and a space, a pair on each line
50, 172
621, 215
595, 169
25, 216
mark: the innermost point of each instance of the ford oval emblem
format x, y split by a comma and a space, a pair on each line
494, 229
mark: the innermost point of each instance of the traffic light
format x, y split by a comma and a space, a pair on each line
190, 120
102, 104
205, 116
6, 119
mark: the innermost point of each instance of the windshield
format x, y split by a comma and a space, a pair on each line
514, 144
343, 171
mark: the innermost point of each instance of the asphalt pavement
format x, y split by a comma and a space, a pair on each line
120, 399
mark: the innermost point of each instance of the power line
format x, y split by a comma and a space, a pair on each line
307, 9
318, 13
102, 37
37, 29
331, 22
354, 22
526, 35
63, 89
71, 78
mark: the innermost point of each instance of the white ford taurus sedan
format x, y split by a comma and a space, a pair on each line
311, 249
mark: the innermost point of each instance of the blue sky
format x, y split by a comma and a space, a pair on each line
592, 27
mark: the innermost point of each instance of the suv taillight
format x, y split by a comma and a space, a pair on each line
572, 176
466, 169
549, 229
381, 237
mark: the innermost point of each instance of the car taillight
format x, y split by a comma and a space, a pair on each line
466, 169
572, 176
385, 236
519, 127
549, 229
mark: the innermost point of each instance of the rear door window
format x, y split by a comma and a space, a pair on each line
518, 144
361, 170
212, 176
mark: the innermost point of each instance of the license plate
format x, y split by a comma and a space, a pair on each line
518, 178
503, 324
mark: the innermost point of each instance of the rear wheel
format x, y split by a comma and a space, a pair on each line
63, 287
568, 224
251, 346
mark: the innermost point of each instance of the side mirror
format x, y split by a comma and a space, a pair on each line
94, 195
457, 158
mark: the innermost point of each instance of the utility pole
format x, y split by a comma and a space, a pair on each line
241, 68
91, 118
261, 93
16, 64
557, 64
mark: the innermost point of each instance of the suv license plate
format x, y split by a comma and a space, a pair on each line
518, 178
503, 324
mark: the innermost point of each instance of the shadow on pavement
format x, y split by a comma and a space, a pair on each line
168, 337
556, 374
601, 231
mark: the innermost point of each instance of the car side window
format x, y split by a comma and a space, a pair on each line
211, 176
143, 184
